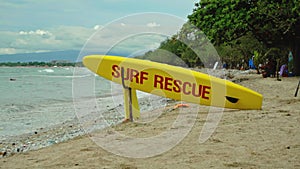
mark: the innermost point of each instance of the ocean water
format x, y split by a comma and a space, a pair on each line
32, 97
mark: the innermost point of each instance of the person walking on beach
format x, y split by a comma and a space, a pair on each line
290, 62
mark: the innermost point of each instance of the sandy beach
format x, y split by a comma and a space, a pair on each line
267, 138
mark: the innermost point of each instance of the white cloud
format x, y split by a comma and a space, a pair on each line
136, 34
36, 32
153, 24
7, 50
54, 39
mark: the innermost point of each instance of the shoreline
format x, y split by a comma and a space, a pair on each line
69, 129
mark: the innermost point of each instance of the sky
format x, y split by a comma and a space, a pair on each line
28, 26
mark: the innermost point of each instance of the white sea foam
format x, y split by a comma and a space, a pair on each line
47, 70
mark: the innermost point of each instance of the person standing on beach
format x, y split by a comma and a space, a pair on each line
290, 62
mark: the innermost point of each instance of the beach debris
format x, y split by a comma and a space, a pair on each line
3, 154
126, 120
181, 105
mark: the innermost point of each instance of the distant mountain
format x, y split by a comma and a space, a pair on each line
69, 55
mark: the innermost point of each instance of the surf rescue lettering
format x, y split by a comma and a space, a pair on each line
163, 83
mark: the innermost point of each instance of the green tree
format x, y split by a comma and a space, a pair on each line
190, 45
275, 23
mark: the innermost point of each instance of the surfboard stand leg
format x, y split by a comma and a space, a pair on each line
128, 104
131, 106
134, 104
127, 98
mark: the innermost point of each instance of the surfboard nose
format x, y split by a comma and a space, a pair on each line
92, 62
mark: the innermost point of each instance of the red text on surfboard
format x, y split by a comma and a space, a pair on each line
130, 74
178, 86
162, 82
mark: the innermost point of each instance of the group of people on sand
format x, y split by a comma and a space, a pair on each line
271, 68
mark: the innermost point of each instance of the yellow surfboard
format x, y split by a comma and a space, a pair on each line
171, 82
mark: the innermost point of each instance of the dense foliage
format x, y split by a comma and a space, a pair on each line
274, 23
241, 29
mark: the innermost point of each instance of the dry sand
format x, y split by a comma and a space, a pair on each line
267, 138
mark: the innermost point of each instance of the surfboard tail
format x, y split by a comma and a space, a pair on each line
131, 105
